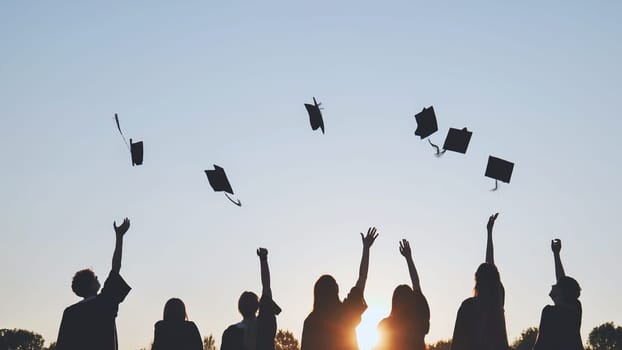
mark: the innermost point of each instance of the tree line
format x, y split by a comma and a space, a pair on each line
607, 336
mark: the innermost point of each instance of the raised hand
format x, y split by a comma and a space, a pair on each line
405, 249
121, 230
556, 245
262, 253
369, 238
491, 222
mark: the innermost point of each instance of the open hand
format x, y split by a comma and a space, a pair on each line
556, 245
491, 222
262, 253
405, 248
369, 238
121, 230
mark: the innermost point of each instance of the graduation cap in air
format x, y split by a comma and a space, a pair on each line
457, 140
426, 122
136, 148
315, 115
219, 182
499, 169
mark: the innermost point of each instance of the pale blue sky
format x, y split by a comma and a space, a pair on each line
204, 83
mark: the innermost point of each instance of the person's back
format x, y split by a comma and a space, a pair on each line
409, 330
177, 335
479, 328
174, 331
560, 328
335, 327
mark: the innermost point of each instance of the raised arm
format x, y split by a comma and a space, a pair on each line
265, 272
407, 253
490, 253
556, 247
118, 249
368, 240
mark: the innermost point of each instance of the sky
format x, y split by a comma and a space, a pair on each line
204, 83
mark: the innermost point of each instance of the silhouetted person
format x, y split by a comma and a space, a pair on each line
409, 321
480, 323
560, 324
254, 332
332, 323
175, 332
90, 324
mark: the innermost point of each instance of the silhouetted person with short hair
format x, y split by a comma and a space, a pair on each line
480, 323
409, 321
560, 324
90, 324
332, 323
174, 331
255, 331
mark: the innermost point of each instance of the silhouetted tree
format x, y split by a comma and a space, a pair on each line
285, 340
209, 343
440, 345
526, 340
605, 337
52, 346
20, 339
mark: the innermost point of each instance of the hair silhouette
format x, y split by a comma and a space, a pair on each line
488, 287
402, 301
569, 288
175, 310
325, 294
175, 332
83, 283
248, 304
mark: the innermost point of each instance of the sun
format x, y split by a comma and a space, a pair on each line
367, 331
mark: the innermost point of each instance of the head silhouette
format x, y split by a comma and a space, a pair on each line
248, 304
85, 283
402, 302
488, 288
175, 310
567, 290
325, 293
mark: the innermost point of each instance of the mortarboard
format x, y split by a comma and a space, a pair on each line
219, 182
499, 169
315, 115
136, 149
457, 140
426, 122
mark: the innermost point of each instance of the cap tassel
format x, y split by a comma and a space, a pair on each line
116, 118
496, 186
238, 203
438, 150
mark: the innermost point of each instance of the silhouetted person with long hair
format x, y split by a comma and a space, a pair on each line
90, 323
255, 331
174, 331
409, 321
480, 323
560, 323
332, 323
